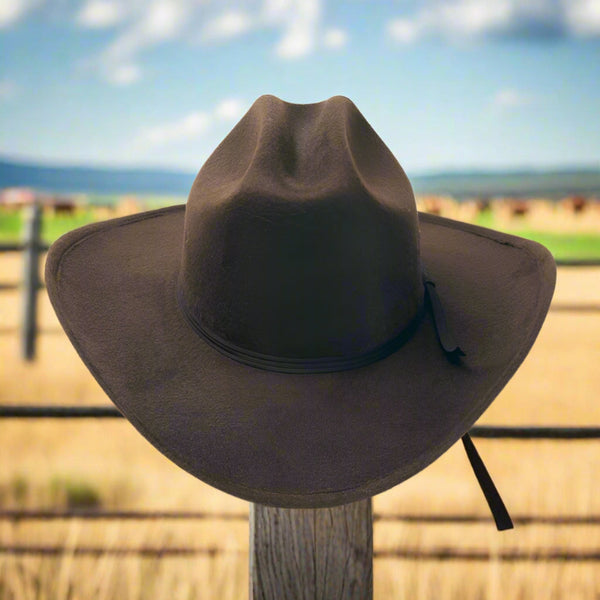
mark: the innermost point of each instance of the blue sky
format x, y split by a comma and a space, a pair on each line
458, 84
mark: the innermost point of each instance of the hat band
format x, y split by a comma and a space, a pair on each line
326, 364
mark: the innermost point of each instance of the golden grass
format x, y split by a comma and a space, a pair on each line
557, 384
541, 215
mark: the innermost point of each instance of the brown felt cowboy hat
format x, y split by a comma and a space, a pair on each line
287, 335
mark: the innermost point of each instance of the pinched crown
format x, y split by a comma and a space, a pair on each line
301, 235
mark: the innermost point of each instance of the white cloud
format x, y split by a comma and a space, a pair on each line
8, 89
403, 30
144, 24
191, 126
13, 10
230, 109
458, 20
227, 25
300, 20
472, 17
335, 39
583, 16
162, 20
98, 14
510, 98
123, 74
298, 41
274, 10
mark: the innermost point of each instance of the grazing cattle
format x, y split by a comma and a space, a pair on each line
484, 205
62, 205
519, 208
577, 203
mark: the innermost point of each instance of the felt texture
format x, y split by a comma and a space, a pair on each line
287, 439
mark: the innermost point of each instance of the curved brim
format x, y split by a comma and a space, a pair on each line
296, 440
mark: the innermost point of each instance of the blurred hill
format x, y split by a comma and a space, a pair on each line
66, 179
551, 184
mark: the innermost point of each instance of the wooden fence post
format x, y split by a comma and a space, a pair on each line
309, 554
31, 279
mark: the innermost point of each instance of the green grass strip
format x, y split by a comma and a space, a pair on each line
562, 245
565, 245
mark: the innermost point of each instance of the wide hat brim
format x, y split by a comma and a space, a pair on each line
296, 440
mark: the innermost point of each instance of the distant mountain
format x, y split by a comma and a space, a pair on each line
95, 180
524, 183
550, 184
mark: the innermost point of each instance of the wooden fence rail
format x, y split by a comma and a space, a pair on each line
520, 432
29, 515
429, 554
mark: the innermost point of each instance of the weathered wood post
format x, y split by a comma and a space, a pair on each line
31, 279
309, 554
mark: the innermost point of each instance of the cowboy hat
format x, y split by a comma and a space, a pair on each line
287, 335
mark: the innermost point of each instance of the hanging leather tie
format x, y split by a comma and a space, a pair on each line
453, 353
499, 511
445, 337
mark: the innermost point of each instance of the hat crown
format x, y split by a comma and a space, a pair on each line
301, 235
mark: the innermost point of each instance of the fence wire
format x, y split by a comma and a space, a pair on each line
433, 554
481, 431
19, 515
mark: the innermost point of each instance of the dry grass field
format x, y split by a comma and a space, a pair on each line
105, 463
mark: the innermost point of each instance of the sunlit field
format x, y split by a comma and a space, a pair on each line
569, 233
106, 464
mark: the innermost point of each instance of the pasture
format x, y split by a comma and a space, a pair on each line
106, 464
566, 232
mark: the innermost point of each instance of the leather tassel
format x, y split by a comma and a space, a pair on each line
499, 511
445, 337
453, 353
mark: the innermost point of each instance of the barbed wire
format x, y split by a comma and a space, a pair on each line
476, 519
585, 308
435, 554
143, 551
535, 432
445, 554
482, 431
17, 515
125, 515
